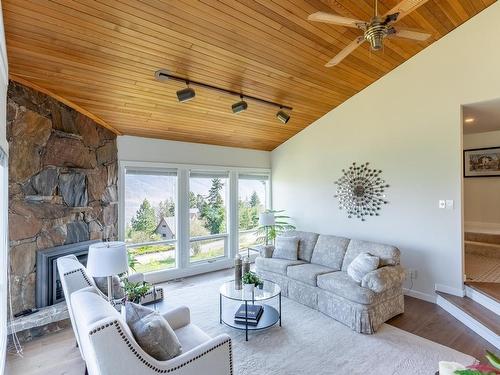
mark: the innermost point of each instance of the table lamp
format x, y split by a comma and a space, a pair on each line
106, 259
266, 219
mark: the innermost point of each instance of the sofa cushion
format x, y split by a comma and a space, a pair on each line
361, 265
341, 284
275, 265
286, 248
152, 332
307, 273
190, 336
389, 255
329, 251
307, 241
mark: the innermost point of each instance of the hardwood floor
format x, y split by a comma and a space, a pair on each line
492, 290
56, 354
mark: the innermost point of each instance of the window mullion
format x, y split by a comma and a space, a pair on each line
233, 214
183, 218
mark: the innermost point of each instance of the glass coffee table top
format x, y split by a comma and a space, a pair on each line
266, 291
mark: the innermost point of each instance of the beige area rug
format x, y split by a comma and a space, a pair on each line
310, 343
482, 268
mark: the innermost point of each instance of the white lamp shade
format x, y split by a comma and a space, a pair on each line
266, 219
107, 259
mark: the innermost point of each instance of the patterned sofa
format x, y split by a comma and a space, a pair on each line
318, 279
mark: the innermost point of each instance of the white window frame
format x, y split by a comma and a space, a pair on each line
184, 267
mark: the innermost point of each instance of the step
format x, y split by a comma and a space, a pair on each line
493, 238
481, 320
482, 248
485, 293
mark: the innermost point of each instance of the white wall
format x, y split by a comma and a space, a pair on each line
161, 151
482, 195
408, 124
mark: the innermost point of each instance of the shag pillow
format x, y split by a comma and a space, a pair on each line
116, 286
361, 265
286, 248
152, 332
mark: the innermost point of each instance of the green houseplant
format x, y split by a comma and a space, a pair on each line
134, 291
268, 233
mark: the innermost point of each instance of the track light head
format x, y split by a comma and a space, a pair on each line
283, 116
240, 106
186, 94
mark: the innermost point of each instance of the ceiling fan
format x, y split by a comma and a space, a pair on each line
375, 30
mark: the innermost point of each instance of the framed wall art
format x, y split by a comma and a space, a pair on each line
482, 162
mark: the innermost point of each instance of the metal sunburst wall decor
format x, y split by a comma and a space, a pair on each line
361, 191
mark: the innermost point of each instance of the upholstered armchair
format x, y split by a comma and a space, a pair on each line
74, 277
110, 348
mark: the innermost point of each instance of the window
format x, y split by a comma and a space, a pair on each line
208, 201
150, 219
179, 220
253, 192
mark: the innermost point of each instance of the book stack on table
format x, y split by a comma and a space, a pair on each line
254, 314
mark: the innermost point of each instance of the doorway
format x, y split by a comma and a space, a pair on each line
481, 196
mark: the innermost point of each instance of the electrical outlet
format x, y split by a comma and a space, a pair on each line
412, 274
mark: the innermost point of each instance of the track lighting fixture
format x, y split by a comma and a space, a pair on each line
282, 116
240, 106
186, 94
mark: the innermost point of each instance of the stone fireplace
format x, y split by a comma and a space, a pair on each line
62, 189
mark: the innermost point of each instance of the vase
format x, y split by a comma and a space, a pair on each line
248, 288
237, 272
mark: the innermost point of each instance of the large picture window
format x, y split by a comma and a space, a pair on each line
208, 231
252, 200
180, 220
150, 219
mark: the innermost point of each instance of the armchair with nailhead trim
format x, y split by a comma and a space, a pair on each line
110, 348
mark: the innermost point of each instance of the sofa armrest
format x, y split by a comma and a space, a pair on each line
178, 317
384, 278
266, 251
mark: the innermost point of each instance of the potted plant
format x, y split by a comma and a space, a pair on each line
250, 281
134, 291
277, 225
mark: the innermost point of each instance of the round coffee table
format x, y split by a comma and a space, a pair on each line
270, 316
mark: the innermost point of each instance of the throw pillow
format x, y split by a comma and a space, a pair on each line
152, 332
116, 286
361, 265
286, 248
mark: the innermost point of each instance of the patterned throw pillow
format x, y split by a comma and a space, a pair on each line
361, 265
152, 332
286, 248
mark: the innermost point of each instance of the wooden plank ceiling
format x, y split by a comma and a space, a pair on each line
100, 57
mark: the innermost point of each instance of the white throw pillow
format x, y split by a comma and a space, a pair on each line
286, 248
361, 265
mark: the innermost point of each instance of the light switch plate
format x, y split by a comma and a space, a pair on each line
449, 204
442, 203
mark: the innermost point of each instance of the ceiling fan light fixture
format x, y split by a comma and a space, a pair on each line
375, 34
240, 106
283, 116
186, 94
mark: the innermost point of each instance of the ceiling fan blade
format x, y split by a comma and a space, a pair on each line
335, 20
405, 7
345, 52
411, 34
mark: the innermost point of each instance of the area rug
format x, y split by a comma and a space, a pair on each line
311, 343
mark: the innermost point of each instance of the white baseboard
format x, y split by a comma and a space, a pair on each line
469, 321
482, 299
479, 227
420, 295
450, 290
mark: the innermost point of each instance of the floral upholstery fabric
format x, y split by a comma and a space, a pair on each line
389, 255
341, 284
275, 265
383, 278
307, 273
307, 241
329, 251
